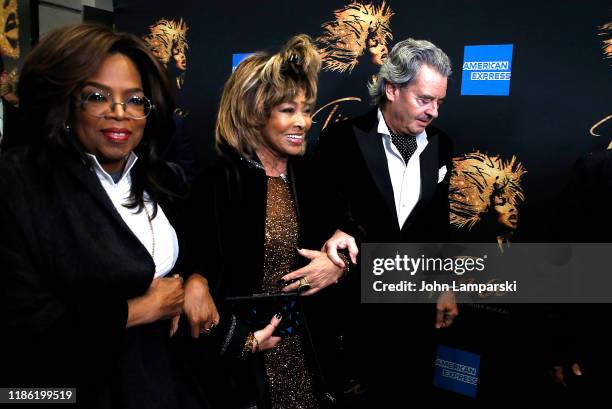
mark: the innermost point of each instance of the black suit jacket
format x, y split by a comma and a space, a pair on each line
353, 167
69, 263
352, 161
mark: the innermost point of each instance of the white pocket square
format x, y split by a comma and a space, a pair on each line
441, 173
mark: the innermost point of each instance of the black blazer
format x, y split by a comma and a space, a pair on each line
69, 264
227, 213
384, 339
352, 161
229, 202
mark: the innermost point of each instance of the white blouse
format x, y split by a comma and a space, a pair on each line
158, 234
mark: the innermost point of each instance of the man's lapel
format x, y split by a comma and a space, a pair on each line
373, 151
428, 161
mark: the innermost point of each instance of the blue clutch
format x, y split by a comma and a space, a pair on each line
257, 310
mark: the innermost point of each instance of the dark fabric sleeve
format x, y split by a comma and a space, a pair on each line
328, 159
32, 306
34, 295
49, 329
204, 256
203, 241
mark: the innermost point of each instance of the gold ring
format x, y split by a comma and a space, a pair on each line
209, 329
304, 285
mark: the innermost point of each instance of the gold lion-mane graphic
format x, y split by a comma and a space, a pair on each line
167, 39
9, 21
357, 27
486, 185
607, 43
606, 32
8, 82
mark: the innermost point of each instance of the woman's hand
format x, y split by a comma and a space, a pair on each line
318, 274
340, 241
199, 306
163, 300
264, 339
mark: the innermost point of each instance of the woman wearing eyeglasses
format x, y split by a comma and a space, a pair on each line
87, 220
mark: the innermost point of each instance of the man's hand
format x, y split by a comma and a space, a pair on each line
446, 310
199, 306
319, 273
340, 241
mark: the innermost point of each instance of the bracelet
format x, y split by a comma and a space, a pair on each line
256, 343
347, 263
248, 345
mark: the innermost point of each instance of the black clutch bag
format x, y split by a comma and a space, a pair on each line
257, 310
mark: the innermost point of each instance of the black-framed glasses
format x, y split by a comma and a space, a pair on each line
100, 103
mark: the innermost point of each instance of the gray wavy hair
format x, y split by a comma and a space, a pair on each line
403, 64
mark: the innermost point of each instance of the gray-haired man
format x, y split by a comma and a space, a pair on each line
390, 170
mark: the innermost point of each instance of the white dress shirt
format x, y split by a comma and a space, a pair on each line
166, 242
405, 178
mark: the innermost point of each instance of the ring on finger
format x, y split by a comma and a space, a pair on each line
304, 285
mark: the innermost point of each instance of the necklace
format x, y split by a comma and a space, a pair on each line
260, 166
152, 232
272, 161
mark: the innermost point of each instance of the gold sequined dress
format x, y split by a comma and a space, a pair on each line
289, 379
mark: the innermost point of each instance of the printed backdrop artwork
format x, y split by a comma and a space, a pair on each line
14, 41
9, 38
357, 29
168, 41
606, 32
559, 89
486, 191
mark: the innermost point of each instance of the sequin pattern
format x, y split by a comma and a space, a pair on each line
289, 378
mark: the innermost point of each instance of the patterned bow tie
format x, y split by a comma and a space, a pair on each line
406, 144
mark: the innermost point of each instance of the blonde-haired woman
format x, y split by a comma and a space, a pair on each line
255, 212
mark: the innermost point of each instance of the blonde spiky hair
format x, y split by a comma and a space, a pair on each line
607, 43
260, 82
166, 39
164, 35
346, 38
475, 179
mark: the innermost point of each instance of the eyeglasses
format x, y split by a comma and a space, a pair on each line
100, 104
